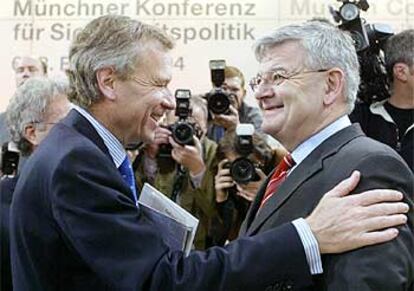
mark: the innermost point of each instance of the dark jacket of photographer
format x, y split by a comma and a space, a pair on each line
199, 201
378, 124
7, 185
247, 114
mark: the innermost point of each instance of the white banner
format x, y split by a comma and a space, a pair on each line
203, 30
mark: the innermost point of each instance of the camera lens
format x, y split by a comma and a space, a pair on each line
183, 133
358, 39
218, 102
242, 170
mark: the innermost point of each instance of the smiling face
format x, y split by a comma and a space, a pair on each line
143, 99
293, 110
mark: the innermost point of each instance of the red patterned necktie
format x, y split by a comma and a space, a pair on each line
277, 178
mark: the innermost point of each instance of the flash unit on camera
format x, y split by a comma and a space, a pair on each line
245, 129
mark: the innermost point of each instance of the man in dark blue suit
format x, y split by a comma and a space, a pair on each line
75, 222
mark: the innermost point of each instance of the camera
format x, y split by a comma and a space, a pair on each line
242, 170
9, 158
218, 100
369, 40
182, 131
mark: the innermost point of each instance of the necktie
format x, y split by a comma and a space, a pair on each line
127, 173
278, 177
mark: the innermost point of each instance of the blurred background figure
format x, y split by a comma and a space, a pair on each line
35, 108
185, 173
234, 193
240, 112
25, 68
391, 121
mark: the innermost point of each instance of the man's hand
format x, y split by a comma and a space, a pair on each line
249, 191
161, 135
341, 223
190, 156
222, 181
228, 121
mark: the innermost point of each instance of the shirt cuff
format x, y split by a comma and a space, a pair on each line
197, 179
310, 245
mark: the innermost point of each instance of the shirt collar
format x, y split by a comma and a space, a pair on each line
115, 148
305, 148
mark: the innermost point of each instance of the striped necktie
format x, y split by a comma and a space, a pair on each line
277, 178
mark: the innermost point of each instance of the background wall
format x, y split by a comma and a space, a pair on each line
203, 30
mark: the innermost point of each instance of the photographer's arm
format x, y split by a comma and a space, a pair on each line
201, 176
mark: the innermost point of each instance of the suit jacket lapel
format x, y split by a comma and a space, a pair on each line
75, 120
303, 172
251, 213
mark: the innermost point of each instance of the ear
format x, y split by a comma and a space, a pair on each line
400, 72
334, 86
106, 78
30, 133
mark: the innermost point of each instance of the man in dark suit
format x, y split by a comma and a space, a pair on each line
32, 111
307, 84
75, 221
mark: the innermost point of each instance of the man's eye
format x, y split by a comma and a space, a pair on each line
276, 77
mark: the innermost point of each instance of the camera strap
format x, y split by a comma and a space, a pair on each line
178, 182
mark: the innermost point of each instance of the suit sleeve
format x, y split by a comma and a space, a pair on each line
99, 221
384, 267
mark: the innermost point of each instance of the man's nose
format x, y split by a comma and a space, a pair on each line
264, 91
26, 72
169, 100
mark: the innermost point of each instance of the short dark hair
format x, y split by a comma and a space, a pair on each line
261, 149
399, 48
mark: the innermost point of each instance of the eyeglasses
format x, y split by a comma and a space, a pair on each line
276, 78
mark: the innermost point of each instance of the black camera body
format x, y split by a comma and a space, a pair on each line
10, 156
218, 100
182, 131
369, 40
242, 170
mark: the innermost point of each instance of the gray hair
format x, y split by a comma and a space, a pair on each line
197, 101
110, 41
29, 104
326, 47
399, 49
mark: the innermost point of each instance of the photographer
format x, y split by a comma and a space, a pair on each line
187, 176
232, 198
391, 121
36, 106
240, 111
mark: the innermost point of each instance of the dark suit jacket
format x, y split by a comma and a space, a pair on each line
6, 194
75, 227
388, 266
